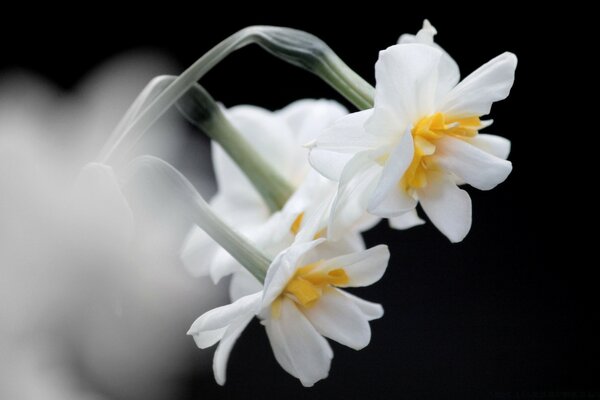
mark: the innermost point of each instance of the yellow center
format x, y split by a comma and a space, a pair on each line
307, 285
425, 134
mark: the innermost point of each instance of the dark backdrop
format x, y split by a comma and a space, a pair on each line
509, 312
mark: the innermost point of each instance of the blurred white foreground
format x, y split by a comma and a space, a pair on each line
85, 311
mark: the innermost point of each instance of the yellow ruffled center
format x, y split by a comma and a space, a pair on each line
307, 285
425, 134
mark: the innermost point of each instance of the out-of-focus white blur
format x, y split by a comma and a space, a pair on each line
91, 305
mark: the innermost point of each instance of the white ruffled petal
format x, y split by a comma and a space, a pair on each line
198, 253
424, 36
410, 78
307, 118
476, 93
211, 326
447, 206
472, 165
337, 317
370, 310
363, 268
243, 283
449, 71
221, 356
283, 268
328, 163
388, 199
223, 264
406, 221
333, 149
297, 345
495, 145
356, 185
269, 136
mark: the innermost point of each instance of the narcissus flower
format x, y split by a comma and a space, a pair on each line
278, 137
301, 303
420, 141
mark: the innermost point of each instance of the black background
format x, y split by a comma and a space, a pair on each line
509, 312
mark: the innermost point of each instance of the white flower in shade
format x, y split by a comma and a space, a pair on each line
420, 141
279, 137
301, 303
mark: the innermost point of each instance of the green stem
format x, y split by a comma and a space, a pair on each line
296, 47
201, 110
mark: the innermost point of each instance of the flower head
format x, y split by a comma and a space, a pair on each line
278, 137
421, 139
302, 303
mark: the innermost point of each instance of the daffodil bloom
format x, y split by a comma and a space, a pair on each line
420, 141
278, 137
302, 303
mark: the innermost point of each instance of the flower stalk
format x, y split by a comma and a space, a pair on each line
203, 112
293, 46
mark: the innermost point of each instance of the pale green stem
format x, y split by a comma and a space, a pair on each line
158, 174
296, 47
202, 111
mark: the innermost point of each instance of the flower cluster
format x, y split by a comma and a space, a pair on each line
297, 187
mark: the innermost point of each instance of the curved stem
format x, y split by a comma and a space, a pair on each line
202, 110
296, 47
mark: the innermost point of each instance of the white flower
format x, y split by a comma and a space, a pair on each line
420, 140
278, 137
300, 305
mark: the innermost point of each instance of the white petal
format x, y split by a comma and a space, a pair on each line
347, 134
489, 83
221, 356
240, 211
370, 310
212, 324
198, 252
223, 264
282, 269
208, 338
405, 221
297, 345
328, 163
424, 36
349, 243
447, 206
366, 222
410, 78
356, 186
388, 199
474, 166
332, 150
233, 185
449, 72
363, 268
307, 118
243, 283
495, 145
269, 136
337, 317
